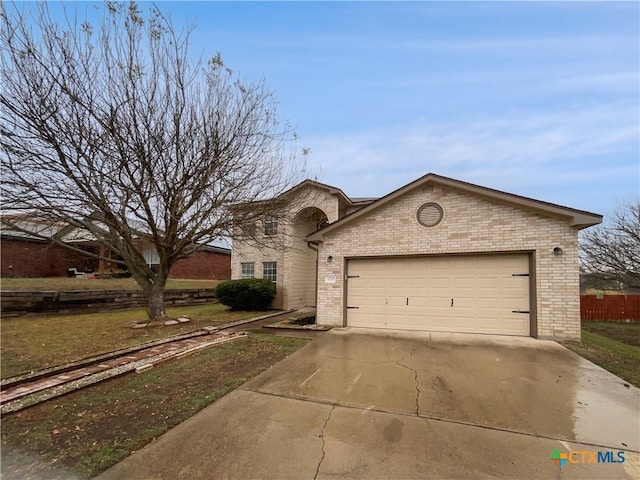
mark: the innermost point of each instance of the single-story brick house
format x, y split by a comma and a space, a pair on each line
437, 254
208, 263
31, 257
26, 255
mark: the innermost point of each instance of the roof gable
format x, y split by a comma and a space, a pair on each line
576, 218
323, 186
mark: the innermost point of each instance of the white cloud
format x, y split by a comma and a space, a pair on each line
587, 150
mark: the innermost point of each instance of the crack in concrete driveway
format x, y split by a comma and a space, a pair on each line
501, 415
323, 441
415, 378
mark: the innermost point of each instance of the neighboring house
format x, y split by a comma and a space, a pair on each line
31, 257
25, 254
210, 263
437, 255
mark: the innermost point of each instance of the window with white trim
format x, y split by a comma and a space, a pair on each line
270, 225
247, 270
270, 271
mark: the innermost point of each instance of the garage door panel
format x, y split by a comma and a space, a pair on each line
396, 290
441, 300
484, 290
395, 301
461, 303
442, 327
425, 302
370, 283
466, 283
373, 301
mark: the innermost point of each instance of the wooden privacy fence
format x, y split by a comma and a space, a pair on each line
610, 308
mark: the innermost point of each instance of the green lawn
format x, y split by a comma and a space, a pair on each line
613, 346
36, 342
81, 434
66, 283
628, 333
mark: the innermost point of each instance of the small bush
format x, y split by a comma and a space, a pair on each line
246, 293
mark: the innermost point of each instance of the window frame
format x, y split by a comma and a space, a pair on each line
270, 225
270, 271
247, 264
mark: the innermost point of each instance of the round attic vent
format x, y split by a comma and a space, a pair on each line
429, 214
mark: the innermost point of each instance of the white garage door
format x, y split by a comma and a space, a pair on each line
473, 294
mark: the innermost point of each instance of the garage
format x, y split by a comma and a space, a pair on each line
443, 255
453, 293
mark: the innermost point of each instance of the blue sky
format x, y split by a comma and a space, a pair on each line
539, 99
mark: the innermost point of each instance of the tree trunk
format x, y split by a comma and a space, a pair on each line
189, 141
155, 305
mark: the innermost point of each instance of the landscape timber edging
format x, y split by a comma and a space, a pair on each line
15, 303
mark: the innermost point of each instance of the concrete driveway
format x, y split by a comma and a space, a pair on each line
364, 404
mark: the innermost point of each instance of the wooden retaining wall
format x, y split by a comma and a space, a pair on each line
610, 308
77, 301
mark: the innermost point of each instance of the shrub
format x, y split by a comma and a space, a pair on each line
246, 293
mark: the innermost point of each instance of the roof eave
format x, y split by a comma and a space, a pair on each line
585, 221
308, 182
576, 218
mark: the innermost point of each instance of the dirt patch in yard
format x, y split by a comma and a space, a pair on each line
84, 433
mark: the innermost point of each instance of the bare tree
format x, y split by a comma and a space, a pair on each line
115, 130
613, 249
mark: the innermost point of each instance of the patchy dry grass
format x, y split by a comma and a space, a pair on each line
613, 346
35, 342
628, 333
82, 434
58, 284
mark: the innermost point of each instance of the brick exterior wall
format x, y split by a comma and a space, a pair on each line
285, 249
27, 258
471, 224
244, 253
204, 265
